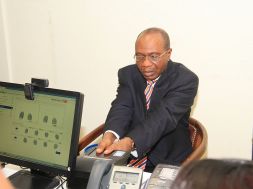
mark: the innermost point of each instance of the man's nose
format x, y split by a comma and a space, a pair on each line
146, 62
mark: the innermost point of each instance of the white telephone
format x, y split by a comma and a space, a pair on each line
125, 178
104, 175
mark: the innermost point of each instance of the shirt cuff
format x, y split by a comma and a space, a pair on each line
114, 133
134, 153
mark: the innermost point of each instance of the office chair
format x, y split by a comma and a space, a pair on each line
198, 137
199, 141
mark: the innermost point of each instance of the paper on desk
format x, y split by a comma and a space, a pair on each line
8, 172
145, 178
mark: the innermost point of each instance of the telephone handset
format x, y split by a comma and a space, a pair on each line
162, 176
98, 173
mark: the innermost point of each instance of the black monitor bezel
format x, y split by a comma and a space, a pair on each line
74, 139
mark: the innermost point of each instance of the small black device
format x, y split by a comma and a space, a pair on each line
118, 157
35, 82
40, 134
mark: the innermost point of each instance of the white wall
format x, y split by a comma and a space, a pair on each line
4, 62
80, 45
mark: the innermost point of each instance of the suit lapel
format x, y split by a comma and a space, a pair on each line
161, 85
140, 85
156, 95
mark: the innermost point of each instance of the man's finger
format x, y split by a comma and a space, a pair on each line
101, 147
112, 148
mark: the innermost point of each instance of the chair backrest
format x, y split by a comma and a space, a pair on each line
199, 141
197, 131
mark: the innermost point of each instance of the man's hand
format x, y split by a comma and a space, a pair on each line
106, 141
125, 144
109, 144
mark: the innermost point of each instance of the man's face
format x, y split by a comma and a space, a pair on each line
151, 56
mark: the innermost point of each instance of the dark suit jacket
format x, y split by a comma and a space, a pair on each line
162, 132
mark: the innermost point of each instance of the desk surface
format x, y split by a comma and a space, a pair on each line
10, 169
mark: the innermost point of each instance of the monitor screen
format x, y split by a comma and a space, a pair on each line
43, 133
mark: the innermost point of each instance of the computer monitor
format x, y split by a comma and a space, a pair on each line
40, 134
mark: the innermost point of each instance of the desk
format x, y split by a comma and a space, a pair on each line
9, 170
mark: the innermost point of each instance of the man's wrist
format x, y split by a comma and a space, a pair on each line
109, 136
132, 143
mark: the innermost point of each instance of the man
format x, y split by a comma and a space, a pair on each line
155, 125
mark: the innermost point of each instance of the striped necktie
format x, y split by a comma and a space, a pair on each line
148, 92
141, 163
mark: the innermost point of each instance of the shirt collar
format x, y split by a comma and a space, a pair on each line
152, 82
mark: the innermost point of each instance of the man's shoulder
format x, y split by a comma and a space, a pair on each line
130, 74
180, 68
129, 70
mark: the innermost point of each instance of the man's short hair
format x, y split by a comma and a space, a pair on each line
163, 33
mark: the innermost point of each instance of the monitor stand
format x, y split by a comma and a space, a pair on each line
24, 179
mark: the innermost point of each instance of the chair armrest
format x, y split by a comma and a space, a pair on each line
87, 139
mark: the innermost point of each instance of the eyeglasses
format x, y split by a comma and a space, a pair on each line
154, 58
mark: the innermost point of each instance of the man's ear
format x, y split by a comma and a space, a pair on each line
169, 53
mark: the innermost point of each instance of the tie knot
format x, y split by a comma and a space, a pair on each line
152, 82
